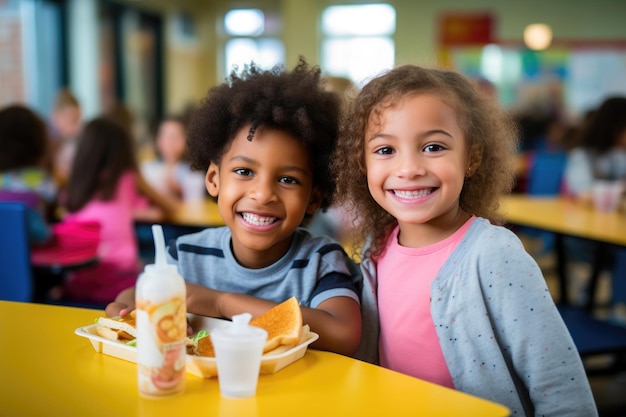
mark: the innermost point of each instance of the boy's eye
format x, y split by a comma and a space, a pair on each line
384, 150
433, 148
288, 180
243, 171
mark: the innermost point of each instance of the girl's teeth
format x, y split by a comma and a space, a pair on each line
413, 194
258, 220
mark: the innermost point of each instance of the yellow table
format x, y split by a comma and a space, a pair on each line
561, 215
198, 213
566, 217
46, 370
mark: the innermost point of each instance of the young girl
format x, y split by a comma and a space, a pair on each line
63, 128
448, 297
23, 176
104, 186
171, 172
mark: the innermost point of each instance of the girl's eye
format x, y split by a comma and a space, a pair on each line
433, 148
384, 150
288, 180
243, 172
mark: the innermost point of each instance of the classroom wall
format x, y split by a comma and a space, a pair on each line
193, 68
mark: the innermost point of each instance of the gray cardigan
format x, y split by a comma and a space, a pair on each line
502, 337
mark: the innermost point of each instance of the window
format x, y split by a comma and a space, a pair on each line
252, 36
358, 40
31, 39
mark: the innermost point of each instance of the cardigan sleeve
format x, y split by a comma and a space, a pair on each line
534, 337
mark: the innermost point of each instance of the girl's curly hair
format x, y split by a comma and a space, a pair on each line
294, 102
489, 130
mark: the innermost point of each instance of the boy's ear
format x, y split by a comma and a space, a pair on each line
315, 202
212, 180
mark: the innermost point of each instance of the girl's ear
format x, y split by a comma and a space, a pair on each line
212, 180
475, 159
314, 202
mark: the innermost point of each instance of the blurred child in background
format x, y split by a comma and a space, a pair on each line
600, 154
333, 221
170, 172
23, 176
64, 125
104, 186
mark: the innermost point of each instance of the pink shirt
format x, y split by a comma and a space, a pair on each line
118, 243
408, 340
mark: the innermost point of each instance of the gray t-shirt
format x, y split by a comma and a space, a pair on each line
313, 270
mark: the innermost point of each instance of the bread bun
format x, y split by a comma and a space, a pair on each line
283, 324
118, 328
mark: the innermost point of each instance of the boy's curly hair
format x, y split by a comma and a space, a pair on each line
292, 101
489, 130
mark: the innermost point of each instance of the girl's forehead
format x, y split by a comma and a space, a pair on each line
394, 102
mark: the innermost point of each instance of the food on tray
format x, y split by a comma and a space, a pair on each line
118, 328
283, 324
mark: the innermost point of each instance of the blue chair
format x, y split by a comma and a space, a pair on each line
545, 178
16, 280
596, 338
545, 175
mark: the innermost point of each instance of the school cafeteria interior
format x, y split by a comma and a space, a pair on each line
551, 64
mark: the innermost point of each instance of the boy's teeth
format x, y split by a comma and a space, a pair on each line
413, 194
257, 220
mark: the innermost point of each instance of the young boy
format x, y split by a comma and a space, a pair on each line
264, 140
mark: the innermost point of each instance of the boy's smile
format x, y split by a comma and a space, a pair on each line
264, 189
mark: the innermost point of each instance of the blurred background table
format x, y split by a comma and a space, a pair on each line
593, 336
566, 218
201, 213
48, 370
561, 215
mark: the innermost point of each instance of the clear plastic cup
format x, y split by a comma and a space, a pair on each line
193, 188
607, 195
238, 351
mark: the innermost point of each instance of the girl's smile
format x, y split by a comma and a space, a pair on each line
412, 195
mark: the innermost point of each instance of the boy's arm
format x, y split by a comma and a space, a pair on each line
124, 303
336, 320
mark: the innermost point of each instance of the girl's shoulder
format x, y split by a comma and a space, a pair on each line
490, 235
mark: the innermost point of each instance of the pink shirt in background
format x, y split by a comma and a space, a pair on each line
408, 340
118, 242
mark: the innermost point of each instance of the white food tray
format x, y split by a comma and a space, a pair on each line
201, 366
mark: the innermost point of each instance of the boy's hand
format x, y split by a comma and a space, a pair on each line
117, 308
123, 304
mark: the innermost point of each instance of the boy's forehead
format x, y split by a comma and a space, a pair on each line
263, 136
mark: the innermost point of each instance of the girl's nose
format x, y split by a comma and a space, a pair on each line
409, 165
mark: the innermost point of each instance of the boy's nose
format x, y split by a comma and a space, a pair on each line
263, 192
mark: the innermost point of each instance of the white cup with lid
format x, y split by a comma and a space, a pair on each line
607, 195
238, 351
